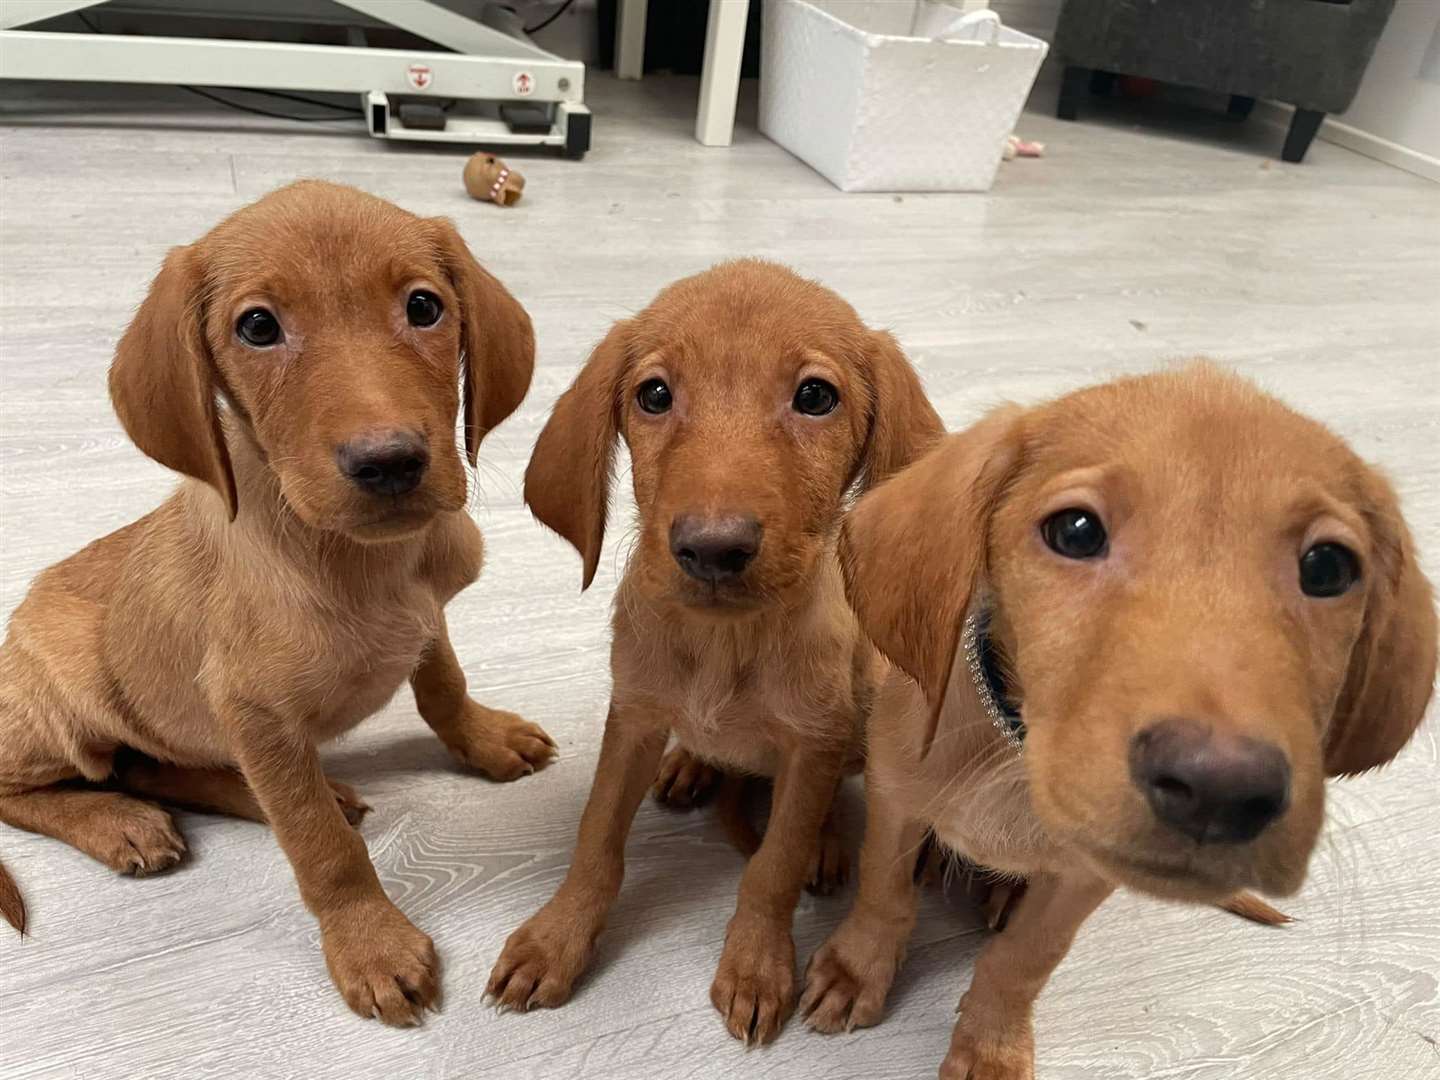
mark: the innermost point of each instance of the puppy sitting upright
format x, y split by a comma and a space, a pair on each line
299, 576
752, 401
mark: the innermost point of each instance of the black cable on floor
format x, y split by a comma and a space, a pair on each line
266, 112
543, 23
351, 109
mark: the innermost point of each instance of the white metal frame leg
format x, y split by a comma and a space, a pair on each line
630, 39
720, 77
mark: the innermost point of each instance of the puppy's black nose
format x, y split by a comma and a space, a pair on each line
389, 464
714, 549
1214, 787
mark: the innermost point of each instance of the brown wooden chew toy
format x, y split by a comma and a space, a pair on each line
489, 179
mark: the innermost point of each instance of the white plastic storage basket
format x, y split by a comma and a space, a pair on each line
893, 95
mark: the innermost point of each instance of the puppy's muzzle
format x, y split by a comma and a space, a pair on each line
715, 550
391, 464
1214, 787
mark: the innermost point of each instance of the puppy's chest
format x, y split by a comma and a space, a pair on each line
988, 819
363, 650
740, 713
723, 722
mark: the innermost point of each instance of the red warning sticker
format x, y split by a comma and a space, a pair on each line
420, 76
524, 83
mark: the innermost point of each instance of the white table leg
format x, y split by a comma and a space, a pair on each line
630, 39
720, 77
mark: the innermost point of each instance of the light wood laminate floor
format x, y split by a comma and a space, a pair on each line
1139, 238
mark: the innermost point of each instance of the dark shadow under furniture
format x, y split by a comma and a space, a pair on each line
1307, 53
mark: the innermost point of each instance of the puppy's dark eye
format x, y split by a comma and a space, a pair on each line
654, 396
1075, 533
258, 327
1328, 570
423, 308
815, 397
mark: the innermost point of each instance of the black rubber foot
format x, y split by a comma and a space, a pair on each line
1303, 127
1102, 82
1075, 83
577, 135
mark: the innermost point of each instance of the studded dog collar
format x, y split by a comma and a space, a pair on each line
988, 680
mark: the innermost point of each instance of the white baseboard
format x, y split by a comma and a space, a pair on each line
1362, 142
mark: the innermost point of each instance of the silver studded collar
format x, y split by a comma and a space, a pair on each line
989, 682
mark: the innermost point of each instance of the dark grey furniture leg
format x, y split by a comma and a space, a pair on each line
1303, 127
1240, 106
1072, 88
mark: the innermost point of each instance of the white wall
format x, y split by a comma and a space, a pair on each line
1397, 102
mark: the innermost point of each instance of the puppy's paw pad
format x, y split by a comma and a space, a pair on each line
538, 967
831, 868
384, 968
975, 1055
1000, 902
504, 746
683, 780
754, 988
351, 804
843, 992
145, 841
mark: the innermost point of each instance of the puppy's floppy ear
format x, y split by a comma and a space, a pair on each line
1392, 664
497, 337
903, 423
567, 483
913, 550
163, 379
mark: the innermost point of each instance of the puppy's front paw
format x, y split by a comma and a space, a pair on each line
754, 987
383, 966
830, 868
500, 744
848, 979
351, 804
983, 1052
683, 780
139, 839
540, 962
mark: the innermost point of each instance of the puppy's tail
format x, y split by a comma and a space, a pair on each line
11, 905
1249, 906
